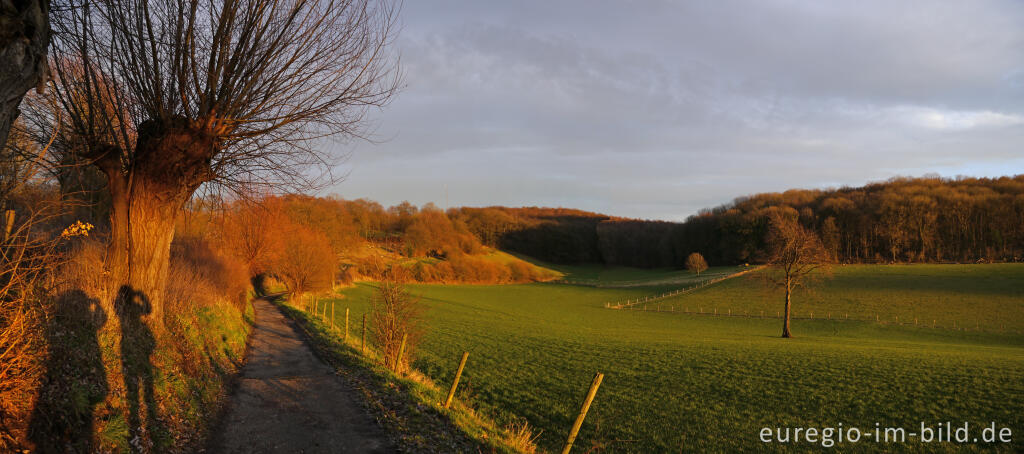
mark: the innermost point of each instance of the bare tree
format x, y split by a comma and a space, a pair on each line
166, 96
796, 254
696, 263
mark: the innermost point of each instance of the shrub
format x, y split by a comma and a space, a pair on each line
306, 262
521, 272
396, 313
253, 233
201, 276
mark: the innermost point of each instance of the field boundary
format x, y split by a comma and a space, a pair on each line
646, 303
631, 303
714, 312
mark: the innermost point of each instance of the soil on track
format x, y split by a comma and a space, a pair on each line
287, 400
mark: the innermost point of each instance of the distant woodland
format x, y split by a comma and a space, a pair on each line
900, 220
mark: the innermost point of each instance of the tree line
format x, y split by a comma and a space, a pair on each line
927, 219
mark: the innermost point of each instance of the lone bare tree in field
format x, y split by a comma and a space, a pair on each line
696, 263
164, 96
795, 253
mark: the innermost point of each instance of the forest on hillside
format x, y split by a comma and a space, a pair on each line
901, 220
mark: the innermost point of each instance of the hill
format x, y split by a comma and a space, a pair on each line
901, 220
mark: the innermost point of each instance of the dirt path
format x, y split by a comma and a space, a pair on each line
287, 400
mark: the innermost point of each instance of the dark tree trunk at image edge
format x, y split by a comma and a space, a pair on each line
171, 161
24, 35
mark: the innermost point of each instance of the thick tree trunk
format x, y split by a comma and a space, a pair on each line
169, 164
24, 35
138, 255
785, 323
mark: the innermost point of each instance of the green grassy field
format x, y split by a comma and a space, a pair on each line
677, 382
975, 297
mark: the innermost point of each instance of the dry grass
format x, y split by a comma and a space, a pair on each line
202, 276
27, 251
62, 374
519, 436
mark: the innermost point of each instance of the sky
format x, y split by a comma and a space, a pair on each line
656, 109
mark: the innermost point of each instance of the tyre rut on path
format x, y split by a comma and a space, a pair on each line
287, 400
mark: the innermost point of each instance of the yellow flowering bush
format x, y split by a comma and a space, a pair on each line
79, 228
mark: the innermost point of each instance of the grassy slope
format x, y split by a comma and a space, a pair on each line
704, 383
189, 380
368, 250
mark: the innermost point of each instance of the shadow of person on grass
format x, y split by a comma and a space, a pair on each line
137, 345
75, 380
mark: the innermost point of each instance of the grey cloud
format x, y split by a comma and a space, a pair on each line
657, 109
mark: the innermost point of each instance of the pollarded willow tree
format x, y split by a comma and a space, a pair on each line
165, 96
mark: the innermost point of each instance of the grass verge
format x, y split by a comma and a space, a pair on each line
409, 405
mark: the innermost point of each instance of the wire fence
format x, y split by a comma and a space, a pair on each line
630, 303
845, 317
655, 303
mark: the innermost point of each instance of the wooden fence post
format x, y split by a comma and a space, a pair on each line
346, 325
401, 350
333, 303
362, 345
9, 217
455, 383
583, 412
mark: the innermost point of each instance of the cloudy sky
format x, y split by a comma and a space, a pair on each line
655, 109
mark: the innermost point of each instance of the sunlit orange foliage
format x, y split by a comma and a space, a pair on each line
252, 233
431, 233
329, 216
306, 262
202, 276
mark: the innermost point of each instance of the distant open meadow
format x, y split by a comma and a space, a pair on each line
677, 381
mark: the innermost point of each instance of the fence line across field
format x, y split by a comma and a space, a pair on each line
634, 302
645, 304
845, 317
